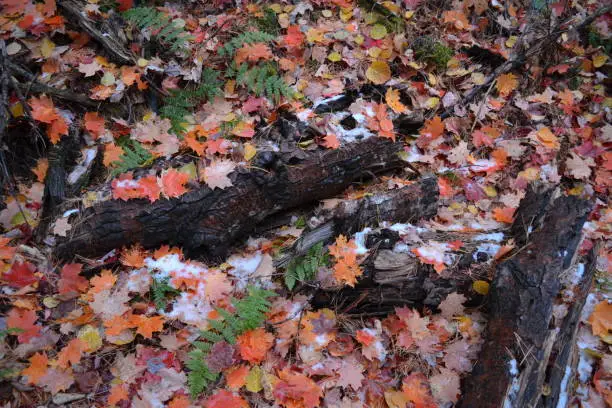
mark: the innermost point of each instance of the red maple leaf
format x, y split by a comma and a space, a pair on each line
21, 274
23, 320
71, 282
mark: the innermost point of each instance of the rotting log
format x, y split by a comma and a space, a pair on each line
521, 333
206, 222
390, 280
407, 204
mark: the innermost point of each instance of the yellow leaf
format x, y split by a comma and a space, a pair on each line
142, 62
16, 110
393, 100
432, 102
91, 336
599, 60
334, 56
481, 287
378, 32
490, 191
249, 151
547, 138
478, 78
346, 14
46, 48
511, 41
379, 72
253, 380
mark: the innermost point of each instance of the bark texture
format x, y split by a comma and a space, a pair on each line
521, 333
206, 222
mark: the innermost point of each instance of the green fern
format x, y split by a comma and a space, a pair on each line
305, 267
181, 102
149, 18
250, 314
249, 37
160, 291
134, 156
262, 80
268, 23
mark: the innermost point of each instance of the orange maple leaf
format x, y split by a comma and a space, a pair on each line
601, 319
94, 123
331, 141
253, 52
416, 390
433, 129
254, 344
146, 326
43, 109
106, 280
112, 153
225, 399
37, 368
129, 75
118, 324
457, 19
506, 84
24, 321
235, 377
392, 97
173, 183
71, 282
180, 401
346, 268
58, 128
296, 390
42, 165
505, 215
134, 257
71, 353
118, 392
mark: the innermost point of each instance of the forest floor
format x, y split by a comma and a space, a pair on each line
170, 173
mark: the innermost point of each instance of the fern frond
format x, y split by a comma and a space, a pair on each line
250, 314
134, 156
249, 37
181, 102
149, 18
263, 79
304, 268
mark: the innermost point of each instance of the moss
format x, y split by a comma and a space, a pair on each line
428, 50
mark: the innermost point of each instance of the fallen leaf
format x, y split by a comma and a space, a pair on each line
601, 319
71, 353
379, 72
37, 369
506, 84
216, 174
71, 283
254, 344
24, 320
346, 269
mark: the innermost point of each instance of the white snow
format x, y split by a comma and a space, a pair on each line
70, 212
494, 236
127, 184
171, 266
513, 367
487, 248
360, 238
563, 397
328, 100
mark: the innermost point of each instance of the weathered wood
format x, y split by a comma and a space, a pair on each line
391, 280
520, 333
564, 356
407, 204
206, 222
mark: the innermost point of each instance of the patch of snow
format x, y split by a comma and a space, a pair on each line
585, 367
190, 309
127, 184
70, 212
513, 367
486, 248
171, 266
360, 238
328, 100
401, 247
304, 115
494, 236
563, 397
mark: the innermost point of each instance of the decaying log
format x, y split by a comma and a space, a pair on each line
391, 280
206, 222
407, 204
521, 334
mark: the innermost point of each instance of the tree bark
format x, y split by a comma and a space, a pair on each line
206, 222
521, 334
